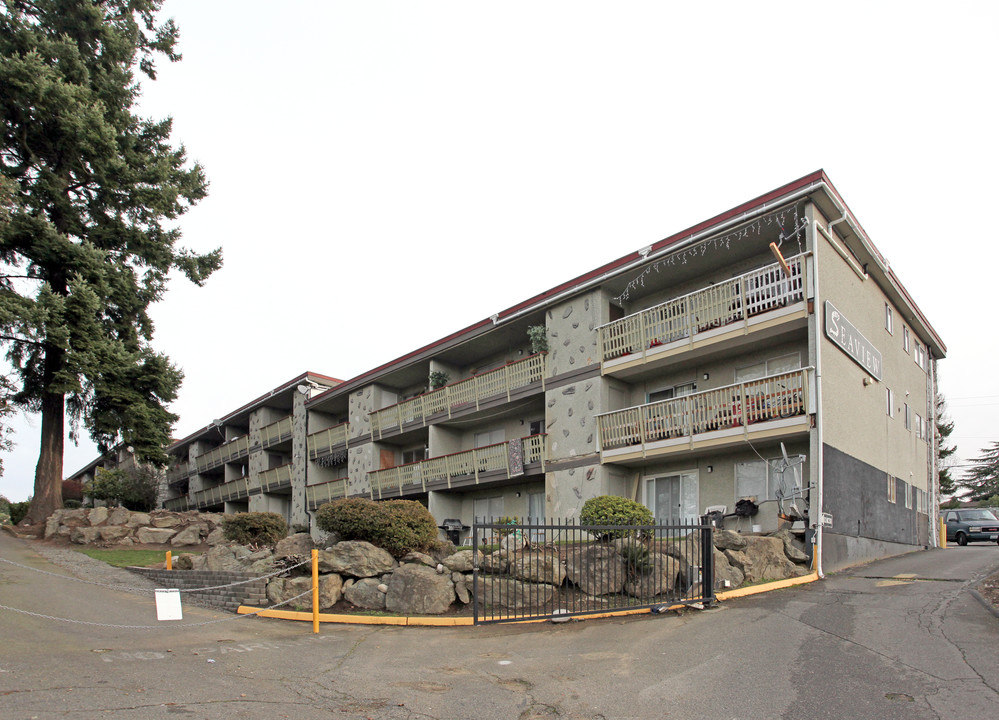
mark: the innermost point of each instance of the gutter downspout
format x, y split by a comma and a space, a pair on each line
819, 418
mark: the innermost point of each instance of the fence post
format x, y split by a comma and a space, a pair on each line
169, 560
707, 564
315, 590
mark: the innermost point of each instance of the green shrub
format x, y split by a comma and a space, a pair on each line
397, 526
72, 504
18, 510
254, 528
614, 510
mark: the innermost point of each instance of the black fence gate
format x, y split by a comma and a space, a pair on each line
534, 570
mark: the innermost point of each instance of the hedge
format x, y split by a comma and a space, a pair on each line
397, 526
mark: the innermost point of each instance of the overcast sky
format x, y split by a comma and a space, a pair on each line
414, 167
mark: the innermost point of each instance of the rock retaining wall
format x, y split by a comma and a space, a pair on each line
228, 598
120, 527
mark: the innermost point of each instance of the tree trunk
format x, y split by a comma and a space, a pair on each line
48, 473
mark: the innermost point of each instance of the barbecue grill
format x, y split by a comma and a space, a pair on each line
453, 528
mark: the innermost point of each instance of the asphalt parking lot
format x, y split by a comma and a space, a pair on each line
902, 638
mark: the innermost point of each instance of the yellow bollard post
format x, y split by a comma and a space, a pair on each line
169, 560
315, 590
943, 533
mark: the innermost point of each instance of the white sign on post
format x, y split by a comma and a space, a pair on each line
168, 605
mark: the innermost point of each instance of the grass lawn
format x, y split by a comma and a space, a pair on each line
125, 557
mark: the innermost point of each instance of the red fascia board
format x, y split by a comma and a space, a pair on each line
817, 176
304, 376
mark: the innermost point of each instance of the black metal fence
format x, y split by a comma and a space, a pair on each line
533, 570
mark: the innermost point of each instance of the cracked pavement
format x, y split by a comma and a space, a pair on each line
901, 638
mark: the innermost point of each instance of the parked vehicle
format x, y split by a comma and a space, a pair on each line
972, 525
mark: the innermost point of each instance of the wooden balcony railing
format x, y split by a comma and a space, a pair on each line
275, 433
233, 450
741, 405
316, 495
278, 478
413, 477
683, 318
178, 473
323, 442
177, 504
238, 489
464, 393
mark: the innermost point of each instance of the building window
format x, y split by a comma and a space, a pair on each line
908, 496
920, 427
672, 392
537, 427
905, 338
919, 355
891, 402
756, 479
490, 437
773, 366
414, 454
920, 501
908, 416
891, 489
888, 319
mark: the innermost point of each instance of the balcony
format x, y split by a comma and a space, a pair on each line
323, 442
178, 474
771, 407
461, 395
178, 504
275, 433
464, 466
226, 492
752, 302
316, 495
230, 452
275, 479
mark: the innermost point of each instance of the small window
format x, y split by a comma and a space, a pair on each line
891, 402
908, 416
757, 479
908, 496
537, 427
905, 339
891, 489
889, 319
919, 355
414, 454
920, 427
672, 392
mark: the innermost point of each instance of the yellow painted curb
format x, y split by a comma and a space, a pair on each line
355, 619
767, 587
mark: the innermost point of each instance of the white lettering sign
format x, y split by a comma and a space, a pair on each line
850, 340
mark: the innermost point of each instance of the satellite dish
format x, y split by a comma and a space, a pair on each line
304, 389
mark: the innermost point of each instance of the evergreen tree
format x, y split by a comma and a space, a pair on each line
87, 235
982, 480
945, 426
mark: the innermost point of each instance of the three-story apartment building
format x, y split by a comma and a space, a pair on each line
765, 365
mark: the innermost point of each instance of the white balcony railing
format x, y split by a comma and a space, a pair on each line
413, 477
177, 504
278, 478
740, 405
233, 450
316, 495
683, 318
276, 432
238, 489
464, 393
323, 442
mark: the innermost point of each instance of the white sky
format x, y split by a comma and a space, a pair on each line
425, 165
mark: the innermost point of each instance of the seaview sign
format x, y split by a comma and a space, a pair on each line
842, 332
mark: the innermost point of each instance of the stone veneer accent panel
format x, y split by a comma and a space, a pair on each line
572, 337
299, 461
361, 404
360, 461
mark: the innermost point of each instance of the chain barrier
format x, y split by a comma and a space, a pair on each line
138, 591
153, 627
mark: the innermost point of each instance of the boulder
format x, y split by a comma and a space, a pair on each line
767, 560
791, 549
596, 569
138, 519
114, 533
298, 545
164, 519
364, 593
215, 537
184, 561
74, 518
417, 589
355, 558
282, 590
330, 590
262, 562
126, 541
461, 561
512, 595
656, 575
97, 516
153, 536
52, 524
728, 540
538, 566
738, 559
419, 558
496, 562
119, 516
461, 589
191, 535
84, 535
213, 520
727, 571
222, 557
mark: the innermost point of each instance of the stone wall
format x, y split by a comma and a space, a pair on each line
121, 527
228, 598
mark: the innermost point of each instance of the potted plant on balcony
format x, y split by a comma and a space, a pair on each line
438, 379
538, 335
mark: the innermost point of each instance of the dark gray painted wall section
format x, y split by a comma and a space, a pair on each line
856, 494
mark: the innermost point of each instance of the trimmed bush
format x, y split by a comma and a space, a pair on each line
397, 526
18, 510
254, 528
614, 510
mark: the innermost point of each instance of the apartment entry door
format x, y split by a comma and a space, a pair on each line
673, 498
